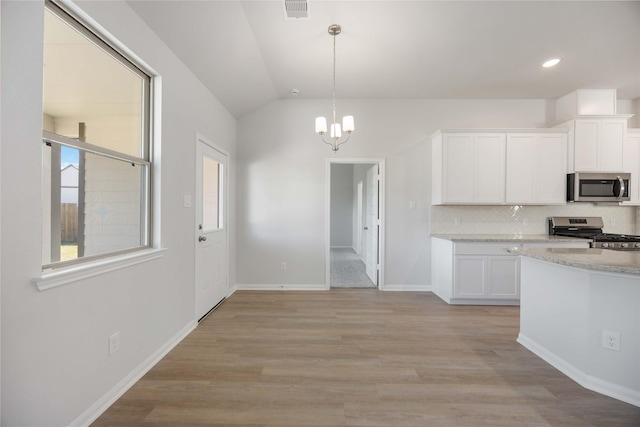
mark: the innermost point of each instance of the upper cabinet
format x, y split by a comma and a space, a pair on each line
596, 143
596, 133
536, 168
487, 167
632, 164
469, 168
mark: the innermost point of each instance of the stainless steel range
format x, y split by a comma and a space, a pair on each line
591, 228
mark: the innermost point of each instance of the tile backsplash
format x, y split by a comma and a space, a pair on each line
527, 219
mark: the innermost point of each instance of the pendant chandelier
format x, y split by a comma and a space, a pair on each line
348, 126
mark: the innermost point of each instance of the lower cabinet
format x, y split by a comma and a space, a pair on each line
486, 277
485, 273
481, 273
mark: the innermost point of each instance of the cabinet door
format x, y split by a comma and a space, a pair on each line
503, 277
586, 145
521, 164
458, 157
599, 145
551, 169
490, 168
469, 276
632, 163
536, 168
611, 145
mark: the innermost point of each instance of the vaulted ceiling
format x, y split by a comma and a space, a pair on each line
249, 54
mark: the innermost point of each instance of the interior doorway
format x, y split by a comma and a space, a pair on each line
355, 223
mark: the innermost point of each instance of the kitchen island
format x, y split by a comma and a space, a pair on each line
580, 312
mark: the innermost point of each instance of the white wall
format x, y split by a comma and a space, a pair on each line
342, 205
282, 180
55, 362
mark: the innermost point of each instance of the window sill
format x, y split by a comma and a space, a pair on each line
56, 278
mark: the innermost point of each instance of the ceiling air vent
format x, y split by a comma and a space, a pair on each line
296, 9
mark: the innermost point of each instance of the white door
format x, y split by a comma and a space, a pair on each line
359, 223
371, 227
211, 227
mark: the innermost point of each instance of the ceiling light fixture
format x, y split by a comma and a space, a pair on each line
347, 121
551, 62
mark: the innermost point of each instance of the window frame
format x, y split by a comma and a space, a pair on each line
146, 152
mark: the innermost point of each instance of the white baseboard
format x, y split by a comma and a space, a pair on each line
102, 404
407, 288
585, 380
280, 287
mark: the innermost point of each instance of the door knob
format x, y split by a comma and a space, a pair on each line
202, 239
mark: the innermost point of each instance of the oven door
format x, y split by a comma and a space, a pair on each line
598, 187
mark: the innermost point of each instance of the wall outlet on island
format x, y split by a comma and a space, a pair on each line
611, 340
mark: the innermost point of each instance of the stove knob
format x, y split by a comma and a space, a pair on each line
624, 245
605, 245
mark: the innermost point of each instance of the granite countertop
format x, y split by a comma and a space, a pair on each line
627, 262
509, 238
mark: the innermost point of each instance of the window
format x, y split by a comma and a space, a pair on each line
211, 194
96, 146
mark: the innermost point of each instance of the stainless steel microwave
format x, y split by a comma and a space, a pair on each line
598, 187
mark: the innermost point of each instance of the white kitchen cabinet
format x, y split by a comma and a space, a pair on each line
487, 276
632, 164
469, 168
497, 167
536, 168
596, 143
481, 273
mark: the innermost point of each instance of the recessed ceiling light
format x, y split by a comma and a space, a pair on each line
551, 62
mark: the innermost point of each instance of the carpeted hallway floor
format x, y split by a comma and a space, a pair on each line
348, 270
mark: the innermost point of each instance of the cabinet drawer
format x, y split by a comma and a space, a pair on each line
498, 248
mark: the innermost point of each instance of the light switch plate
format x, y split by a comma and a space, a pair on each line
187, 201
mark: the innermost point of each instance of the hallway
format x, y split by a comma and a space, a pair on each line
348, 270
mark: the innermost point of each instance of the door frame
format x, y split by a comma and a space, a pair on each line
200, 139
380, 161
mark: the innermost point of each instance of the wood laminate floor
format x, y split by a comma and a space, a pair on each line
356, 357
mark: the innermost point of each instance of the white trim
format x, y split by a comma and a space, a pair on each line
101, 31
380, 161
102, 404
278, 287
86, 270
585, 380
407, 288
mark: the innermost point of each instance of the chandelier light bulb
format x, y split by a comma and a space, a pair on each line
321, 125
348, 124
336, 132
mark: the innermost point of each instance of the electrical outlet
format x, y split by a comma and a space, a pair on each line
456, 220
114, 343
525, 222
283, 266
611, 340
